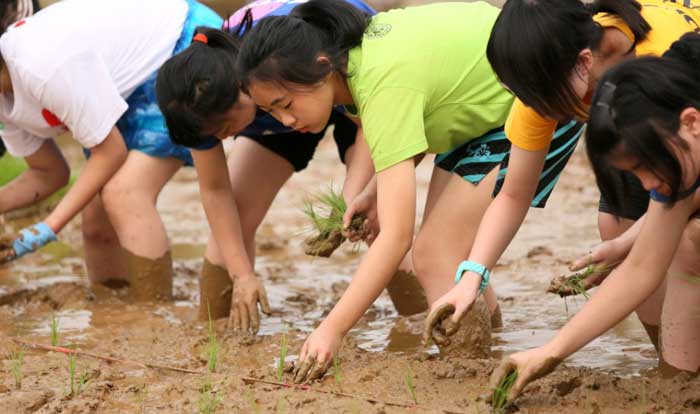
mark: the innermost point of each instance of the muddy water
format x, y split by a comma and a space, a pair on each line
303, 289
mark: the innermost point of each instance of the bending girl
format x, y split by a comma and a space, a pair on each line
198, 92
419, 80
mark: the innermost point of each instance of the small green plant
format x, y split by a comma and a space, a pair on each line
336, 372
54, 330
16, 363
77, 382
251, 400
208, 400
213, 346
283, 355
409, 385
331, 217
499, 402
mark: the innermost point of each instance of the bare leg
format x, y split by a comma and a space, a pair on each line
680, 335
130, 201
254, 189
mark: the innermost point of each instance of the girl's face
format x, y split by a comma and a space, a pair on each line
301, 107
235, 120
689, 159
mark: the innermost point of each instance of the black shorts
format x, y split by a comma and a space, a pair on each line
299, 148
635, 198
2, 148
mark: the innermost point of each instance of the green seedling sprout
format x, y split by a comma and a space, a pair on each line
331, 217
213, 346
54, 330
208, 400
336, 372
16, 363
283, 355
77, 383
499, 402
409, 385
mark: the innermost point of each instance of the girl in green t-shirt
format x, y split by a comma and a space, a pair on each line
419, 80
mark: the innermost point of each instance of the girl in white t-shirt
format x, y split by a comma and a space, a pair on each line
89, 67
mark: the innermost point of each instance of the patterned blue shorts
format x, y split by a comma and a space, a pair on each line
143, 126
475, 159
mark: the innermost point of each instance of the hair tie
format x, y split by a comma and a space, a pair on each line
200, 37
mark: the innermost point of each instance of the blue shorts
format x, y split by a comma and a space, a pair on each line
143, 126
475, 159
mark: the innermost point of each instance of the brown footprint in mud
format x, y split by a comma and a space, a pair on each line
325, 243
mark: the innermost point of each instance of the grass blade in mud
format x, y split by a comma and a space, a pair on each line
499, 402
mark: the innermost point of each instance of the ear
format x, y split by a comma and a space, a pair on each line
323, 59
584, 62
690, 121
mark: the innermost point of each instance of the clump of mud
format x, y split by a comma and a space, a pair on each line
325, 243
7, 252
54, 297
473, 338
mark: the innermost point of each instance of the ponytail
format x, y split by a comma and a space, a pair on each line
199, 84
285, 48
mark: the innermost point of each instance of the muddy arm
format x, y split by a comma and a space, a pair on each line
47, 173
221, 210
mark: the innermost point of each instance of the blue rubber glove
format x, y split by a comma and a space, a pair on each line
31, 239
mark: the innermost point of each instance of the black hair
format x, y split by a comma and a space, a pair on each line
534, 47
200, 84
636, 112
284, 49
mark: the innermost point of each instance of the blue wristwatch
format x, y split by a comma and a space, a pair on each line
476, 268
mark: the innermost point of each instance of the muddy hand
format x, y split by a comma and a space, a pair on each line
316, 355
363, 205
447, 312
603, 258
247, 293
30, 239
529, 366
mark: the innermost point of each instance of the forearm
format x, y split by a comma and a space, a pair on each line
29, 188
497, 229
627, 287
372, 276
359, 168
105, 160
224, 221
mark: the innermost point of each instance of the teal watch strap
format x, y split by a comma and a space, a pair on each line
476, 268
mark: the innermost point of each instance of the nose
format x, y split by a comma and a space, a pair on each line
650, 181
287, 119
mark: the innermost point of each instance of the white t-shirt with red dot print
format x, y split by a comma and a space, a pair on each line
74, 63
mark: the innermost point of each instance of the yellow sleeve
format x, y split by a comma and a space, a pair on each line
528, 130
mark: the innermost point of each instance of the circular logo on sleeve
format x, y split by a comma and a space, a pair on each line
377, 30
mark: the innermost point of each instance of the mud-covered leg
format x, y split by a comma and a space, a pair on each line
130, 201
104, 257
